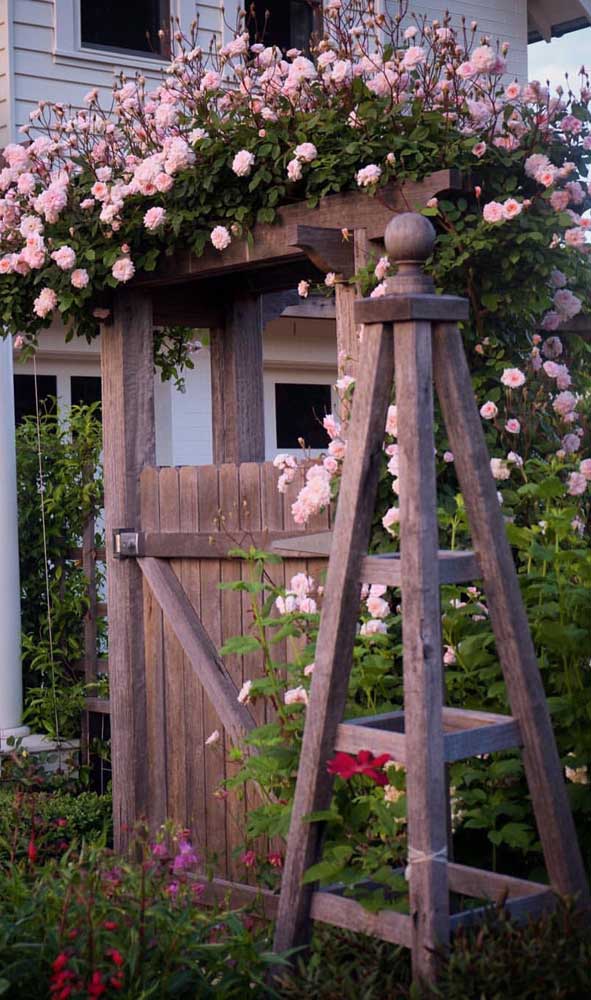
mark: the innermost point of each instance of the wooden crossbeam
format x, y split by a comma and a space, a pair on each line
194, 544
197, 646
327, 248
353, 209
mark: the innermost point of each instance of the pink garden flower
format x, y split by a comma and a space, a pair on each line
296, 696
577, 484
585, 469
511, 208
479, 149
45, 302
243, 163
123, 269
493, 212
306, 152
488, 410
513, 426
369, 175
220, 237
513, 378
154, 218
65, 258
79, 277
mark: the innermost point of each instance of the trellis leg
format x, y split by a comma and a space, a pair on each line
426, 780
514, 643
337, 631
128, 445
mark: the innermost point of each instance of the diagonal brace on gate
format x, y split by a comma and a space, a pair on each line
197, 646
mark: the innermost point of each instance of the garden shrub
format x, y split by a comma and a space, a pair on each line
70, 445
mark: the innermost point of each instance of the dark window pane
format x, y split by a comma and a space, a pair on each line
85, 390
299, 411
289, 25
24, 395
131, 25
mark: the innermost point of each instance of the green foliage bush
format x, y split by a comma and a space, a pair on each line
70, 446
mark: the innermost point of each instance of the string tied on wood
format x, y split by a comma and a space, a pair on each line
416, 857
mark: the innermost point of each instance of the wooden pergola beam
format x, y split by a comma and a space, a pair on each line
351, 210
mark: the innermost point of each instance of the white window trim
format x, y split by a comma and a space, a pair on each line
68, 46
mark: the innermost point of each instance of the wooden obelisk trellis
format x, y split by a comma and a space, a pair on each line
420, 328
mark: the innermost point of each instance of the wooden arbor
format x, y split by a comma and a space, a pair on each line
422, 328
165, 616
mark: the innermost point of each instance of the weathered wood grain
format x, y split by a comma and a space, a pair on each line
237, 383
509, 621
156, 758
387, 925
337, 631
195, 751
390, 308
127, 366
327, 248
422, 652
197, 645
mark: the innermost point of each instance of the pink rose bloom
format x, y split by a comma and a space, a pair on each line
585, 469
571, 443
479, 149
373, 627
567, 304
306, 152
488, 411
123, 269
559, 200
163, 183
296, 696
79, 277
577, 484
466, 70
575, 237
511, 208
368, 175
513, 378
220, 237
557, 278
448, 456
242, 163
391, 517
546, 177
449, 657
45, 302
552, 347
564, 403
154, 218
513, 426
377, 607
392, 421
294, 170
512, 91
484, 59
65, 258
493, 212
414, 56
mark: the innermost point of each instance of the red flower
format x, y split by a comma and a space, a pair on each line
115, 956
248, 859
110, 925
96, 987
32, 851
60, 962
275, 859
345, 766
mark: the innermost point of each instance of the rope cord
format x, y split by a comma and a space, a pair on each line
416, 857
45, 555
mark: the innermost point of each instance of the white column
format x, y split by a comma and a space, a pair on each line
11, 679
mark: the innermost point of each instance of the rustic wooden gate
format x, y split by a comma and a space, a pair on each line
191, 518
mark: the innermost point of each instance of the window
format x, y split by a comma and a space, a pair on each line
85, 390
126, 25
299, 411
289, 24
24, 395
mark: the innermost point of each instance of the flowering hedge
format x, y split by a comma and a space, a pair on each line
230, 135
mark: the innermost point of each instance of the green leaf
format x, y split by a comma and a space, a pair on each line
240, 644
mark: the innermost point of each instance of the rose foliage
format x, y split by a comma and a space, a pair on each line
230, 135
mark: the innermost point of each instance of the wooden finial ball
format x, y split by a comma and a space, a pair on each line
409, 237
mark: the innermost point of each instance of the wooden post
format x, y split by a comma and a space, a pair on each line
345, 295
128, 445
409, 240
90, 622
237, 384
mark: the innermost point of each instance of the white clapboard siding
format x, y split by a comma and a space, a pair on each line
500, 19
42, 67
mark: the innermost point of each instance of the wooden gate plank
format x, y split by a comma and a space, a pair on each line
154, 654
210, 572
231, 611
198, 646
174, 698
196, 760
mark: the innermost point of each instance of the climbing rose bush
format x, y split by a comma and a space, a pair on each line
99, 195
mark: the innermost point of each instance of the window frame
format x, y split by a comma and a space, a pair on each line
68, 47
284, 372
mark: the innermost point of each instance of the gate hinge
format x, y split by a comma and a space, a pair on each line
126, 543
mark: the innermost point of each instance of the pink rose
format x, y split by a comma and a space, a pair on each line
493, 212
79, 277
123, 269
